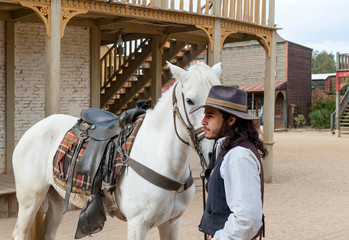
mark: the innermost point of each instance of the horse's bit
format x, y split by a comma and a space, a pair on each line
193, 134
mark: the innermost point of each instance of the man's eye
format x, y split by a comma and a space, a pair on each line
189, 101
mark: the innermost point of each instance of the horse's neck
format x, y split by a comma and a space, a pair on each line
157, 143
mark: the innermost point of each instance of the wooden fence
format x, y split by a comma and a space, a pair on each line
254, 11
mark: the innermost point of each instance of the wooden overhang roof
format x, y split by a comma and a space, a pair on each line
137, 21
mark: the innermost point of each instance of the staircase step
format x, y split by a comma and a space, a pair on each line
139, 82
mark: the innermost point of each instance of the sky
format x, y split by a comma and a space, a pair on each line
322, 25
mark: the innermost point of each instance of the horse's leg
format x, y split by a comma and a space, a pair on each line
54, 214
29, 204
169, 230
136, 229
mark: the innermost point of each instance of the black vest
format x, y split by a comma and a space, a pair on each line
217, 211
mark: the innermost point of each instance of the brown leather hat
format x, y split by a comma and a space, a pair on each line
228, 99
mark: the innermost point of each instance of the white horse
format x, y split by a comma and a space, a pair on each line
157, 146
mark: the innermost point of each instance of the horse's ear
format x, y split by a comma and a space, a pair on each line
217, 69
177, 72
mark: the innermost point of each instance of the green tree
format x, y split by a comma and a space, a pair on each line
323, 62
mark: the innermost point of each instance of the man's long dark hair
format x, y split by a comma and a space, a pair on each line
243, 130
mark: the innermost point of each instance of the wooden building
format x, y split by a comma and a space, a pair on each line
50, 54
325, 82
243, 66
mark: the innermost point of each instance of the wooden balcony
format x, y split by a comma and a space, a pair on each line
186, 20
342, 61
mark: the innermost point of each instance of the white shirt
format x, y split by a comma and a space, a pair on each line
240, 171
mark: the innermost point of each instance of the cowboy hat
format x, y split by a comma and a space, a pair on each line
228, 99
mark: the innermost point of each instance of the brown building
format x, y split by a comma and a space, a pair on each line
243, 66
324, 81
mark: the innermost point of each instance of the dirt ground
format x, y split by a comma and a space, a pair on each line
308, 198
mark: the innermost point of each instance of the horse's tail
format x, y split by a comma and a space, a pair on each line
37, 228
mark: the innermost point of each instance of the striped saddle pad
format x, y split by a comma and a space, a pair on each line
83, 183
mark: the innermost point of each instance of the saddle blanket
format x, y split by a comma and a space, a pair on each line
82, 184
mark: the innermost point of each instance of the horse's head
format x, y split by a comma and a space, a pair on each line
193, 87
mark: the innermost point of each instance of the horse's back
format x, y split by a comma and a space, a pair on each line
33, 155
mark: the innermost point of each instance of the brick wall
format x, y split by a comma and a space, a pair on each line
2, 97
246, 64
30, 76
75, 73
30, 73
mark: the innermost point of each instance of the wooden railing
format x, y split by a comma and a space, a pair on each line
343, 62
113, 63
254, 11
343, 104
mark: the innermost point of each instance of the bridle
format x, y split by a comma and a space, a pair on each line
193, 134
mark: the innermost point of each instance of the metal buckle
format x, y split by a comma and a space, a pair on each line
181, 188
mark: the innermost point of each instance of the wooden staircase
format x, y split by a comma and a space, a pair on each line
343, 115
126, 74
344, 119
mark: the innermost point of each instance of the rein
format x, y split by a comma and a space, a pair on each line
193, 134
163, 181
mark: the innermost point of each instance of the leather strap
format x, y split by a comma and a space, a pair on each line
158, 179
70, 174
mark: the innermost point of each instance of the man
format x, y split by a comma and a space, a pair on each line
235, 174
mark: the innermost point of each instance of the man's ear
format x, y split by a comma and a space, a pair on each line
231, 120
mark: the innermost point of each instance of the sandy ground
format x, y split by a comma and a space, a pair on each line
308, 198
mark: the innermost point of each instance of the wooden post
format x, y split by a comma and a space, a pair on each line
95, 81
10, 95
232, 9
239, 10
338, 95
252, 103
53, 61
264, 12
225, 8
246, 10
257, 12
214, 56
269, 99
156, 69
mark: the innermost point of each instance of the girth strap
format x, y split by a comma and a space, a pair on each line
158, 179
70, 174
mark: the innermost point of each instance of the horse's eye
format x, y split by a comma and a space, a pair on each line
189, 101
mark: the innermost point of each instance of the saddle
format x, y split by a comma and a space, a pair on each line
102, 134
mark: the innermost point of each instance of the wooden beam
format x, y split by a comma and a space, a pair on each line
10, 95
22, 14
95, 84
156, 70
188, 38
134, 28
106, 22
53, 61
5, 15
269, 98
